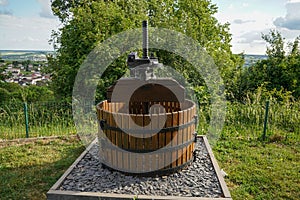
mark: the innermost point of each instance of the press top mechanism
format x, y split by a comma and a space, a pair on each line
142, 68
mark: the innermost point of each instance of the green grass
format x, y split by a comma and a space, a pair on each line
256, 170
259, 170
29, 171
18, 131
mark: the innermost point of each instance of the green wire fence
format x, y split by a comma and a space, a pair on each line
21, 120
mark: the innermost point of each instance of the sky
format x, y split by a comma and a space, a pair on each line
250, 18
27, 24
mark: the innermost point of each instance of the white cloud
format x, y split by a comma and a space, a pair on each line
246, 29
240, 21
245, 5
291, 20
293, 1
231, 6
26, 33
3, 2
250, 37
6, 12
249, 19
46, 9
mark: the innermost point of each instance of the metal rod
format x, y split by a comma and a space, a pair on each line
266, 120
26, 119
145, 39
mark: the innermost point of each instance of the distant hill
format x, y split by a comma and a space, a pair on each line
20, 55
251, 59
41, 56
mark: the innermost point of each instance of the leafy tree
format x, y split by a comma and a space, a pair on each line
4, 95
88, 22
38, 94
2, 75
29, 94
281, 71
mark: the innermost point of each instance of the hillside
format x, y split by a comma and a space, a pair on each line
39, 55
19, 55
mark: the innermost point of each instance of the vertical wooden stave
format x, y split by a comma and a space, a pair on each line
185, 137
111, 122
107, 140
168, 136
162, 140
139, 141
119, 136
180, 138
189, 134
125, 141
155, 142
147, 144
174, 139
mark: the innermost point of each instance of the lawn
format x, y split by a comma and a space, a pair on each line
28, 171
260, 170
256, 170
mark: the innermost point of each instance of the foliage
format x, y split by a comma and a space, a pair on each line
2, 76
88, 22
29, 94
281, 71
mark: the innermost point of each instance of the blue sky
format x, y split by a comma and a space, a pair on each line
27, 24
250, 18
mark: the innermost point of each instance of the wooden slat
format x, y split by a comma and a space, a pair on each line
132, 144
139, 141
119, 135
125, 140
132, 141
185, 139
108, 139
147, 137
154, 125
140, 137
113, 139
174, 138
162, 140
168, 136
133, 162
194, 128
180, 138
189, 133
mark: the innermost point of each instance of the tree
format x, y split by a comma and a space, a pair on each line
9, 91
2, 75
88, 22
37, 94
281, 71
4, 95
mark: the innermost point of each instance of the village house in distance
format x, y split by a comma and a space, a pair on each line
23, 69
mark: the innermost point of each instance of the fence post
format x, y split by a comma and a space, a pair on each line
26, 119
266, 120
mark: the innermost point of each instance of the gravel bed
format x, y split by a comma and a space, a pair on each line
197, 180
